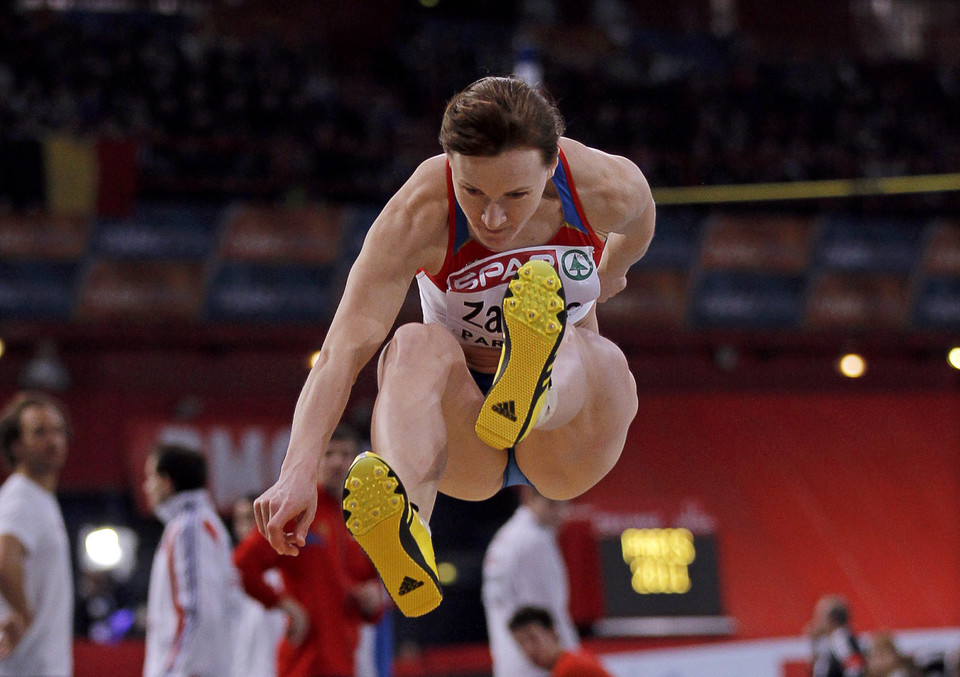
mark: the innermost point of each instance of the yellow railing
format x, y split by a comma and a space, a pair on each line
805, 190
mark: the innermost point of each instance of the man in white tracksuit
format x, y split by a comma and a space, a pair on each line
523, 566
194, 590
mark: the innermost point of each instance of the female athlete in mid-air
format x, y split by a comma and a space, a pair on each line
514, 234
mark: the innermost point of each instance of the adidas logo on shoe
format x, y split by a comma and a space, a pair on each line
409, 585
506, 409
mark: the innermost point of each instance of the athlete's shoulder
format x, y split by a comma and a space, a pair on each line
422, 200
427, 186
413, 224
594, 169
611, 188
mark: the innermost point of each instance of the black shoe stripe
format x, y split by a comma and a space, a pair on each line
407, 541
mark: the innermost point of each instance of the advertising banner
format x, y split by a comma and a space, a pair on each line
43, 237
266, 292
159, 232
858, 301
37, 290
757, 242
734, 299
142, 290
879, 244
653, 298
242, 457
306, 234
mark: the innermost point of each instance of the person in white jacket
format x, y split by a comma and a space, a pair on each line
523, 566
194, 589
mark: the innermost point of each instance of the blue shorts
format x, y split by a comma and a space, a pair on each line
512, 475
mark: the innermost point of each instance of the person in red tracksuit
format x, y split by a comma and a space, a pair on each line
330, 586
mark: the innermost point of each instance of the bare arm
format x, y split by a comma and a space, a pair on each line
12, 556
619, 206
407, 235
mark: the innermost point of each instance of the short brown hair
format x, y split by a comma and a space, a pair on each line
345, 432
497, 114
530, 615
10, 426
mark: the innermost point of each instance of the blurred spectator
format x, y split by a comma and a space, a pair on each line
836, 651
940, 664
328, 589
885, 660
194, 594
523, 566
259, 116
258, 630
36, 580
532, 629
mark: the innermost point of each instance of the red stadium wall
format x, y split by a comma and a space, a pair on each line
811, 493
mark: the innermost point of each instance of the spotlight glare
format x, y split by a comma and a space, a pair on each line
852, 365
103, 547
953, 357
447, 572
312, 360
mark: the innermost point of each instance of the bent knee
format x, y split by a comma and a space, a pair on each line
418, 331
566, 480
615, 380
420, 346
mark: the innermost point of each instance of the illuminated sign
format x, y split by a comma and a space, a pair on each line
658, 559
660, 572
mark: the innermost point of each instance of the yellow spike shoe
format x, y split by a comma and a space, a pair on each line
385, 524
534, 321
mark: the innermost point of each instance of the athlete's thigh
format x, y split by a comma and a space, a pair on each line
474, 471
566, 461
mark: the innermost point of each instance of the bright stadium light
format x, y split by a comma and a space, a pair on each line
953, 357
447, 572
108, 549
852, 365
102, 546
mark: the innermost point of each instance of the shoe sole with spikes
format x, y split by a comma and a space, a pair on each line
386, 525
534, 322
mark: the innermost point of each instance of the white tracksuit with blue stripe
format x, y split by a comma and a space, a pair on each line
194, 592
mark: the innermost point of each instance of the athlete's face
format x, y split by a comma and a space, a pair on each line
499, 194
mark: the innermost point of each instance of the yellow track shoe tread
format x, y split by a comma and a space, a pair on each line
534, 321
379, 515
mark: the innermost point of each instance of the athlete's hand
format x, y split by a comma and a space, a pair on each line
284, 511
613, 277
611, 286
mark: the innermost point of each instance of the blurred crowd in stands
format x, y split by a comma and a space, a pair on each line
221, 115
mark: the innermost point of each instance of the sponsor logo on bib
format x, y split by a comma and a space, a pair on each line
577, 264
